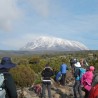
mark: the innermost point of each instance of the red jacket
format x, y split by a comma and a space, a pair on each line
94, 92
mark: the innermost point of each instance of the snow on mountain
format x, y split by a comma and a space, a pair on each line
52, 43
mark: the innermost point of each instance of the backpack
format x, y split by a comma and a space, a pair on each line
79, 73
1, 80
94, 92
82, 71
37, 88
2, 90
58, 76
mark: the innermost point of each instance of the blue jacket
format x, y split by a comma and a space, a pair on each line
63, 68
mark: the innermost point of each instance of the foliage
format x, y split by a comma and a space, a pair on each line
23, 62
96, 64
23, 75
34, 60
30, 66
36, 67
38, 79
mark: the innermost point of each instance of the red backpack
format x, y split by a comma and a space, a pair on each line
94, 92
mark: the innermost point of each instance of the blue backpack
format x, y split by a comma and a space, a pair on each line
82, 71
58, 76
79, 73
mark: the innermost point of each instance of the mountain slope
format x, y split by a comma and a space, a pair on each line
52, 43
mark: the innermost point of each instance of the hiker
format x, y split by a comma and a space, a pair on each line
46, 80
63, 70
77, 85
84, 63
72, 62
87, 79
94, 90
9, 84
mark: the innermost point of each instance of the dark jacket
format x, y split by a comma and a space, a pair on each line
10, 86
46, 74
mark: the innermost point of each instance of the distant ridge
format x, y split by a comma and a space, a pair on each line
52, 43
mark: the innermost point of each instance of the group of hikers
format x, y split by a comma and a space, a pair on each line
85, 79
84, 75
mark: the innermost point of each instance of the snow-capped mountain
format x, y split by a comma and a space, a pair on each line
52, 43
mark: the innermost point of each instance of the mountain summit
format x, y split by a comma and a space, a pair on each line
55, 44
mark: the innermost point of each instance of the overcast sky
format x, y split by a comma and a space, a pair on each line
23, 20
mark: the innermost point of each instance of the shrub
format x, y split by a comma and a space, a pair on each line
23, 62
34, 60
36, 67
23, 75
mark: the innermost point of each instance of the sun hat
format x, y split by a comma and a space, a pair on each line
6, 63
77, 64
91, 68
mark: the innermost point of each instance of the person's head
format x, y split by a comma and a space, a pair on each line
73, 61
77, 64
91, 68
6, 63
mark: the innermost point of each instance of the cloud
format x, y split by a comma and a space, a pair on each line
40, 6
12, 10
13, 43
81, 24
9, 12
17, 43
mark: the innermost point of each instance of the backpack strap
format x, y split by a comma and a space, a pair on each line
2, 79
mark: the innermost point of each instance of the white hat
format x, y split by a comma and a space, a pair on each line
77, 64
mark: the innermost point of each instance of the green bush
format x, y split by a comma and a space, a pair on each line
23, 62
38, 79
36, 67
23, 75
34, 60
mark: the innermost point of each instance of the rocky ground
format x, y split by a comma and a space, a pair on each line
57, 90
